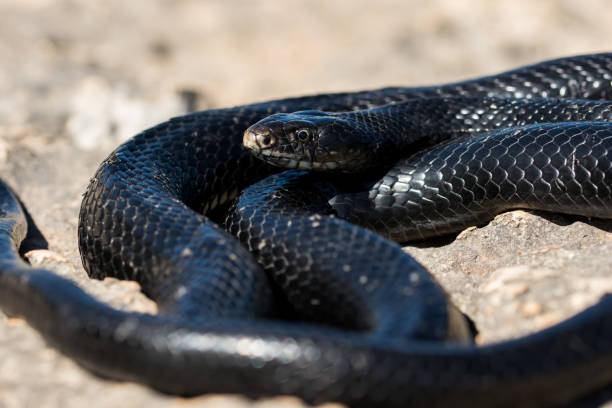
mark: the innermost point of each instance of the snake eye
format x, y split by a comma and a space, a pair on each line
303, 135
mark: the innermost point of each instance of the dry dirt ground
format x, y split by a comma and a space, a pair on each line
78, 77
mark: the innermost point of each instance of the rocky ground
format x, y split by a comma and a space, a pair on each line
78, 77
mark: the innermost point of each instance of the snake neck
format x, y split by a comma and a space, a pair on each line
400, 129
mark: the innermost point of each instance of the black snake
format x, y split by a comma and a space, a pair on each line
376, 329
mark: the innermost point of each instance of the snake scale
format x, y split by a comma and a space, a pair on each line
318, 307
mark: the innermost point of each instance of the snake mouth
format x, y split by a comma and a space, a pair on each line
289, 161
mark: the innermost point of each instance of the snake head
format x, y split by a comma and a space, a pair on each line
309, 140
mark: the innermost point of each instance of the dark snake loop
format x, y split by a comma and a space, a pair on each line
223, 324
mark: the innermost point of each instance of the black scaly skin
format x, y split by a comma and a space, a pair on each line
326, 270
139, 220
365, 140
559, 167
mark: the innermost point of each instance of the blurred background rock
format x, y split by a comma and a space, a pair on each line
79, 76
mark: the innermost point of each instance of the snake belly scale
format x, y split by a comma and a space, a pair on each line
373, 330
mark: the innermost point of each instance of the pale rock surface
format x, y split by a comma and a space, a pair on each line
77, 77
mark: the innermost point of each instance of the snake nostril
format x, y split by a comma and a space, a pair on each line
256, 139
265, 140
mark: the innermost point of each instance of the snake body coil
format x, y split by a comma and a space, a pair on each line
373, 325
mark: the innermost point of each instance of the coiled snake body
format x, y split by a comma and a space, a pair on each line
376, 330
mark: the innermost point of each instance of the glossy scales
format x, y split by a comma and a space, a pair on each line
141, 219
